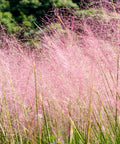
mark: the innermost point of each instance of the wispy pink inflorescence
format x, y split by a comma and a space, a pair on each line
72, 68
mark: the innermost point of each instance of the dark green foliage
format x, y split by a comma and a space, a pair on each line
7, 20
4, 5
81, 1
27, 12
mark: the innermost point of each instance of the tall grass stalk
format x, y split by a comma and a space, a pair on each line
117, 80
90, 106
8, 122
45, 121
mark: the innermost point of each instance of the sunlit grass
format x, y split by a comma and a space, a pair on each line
65, 90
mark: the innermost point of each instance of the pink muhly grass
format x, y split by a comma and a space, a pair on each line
75, 75
75, 64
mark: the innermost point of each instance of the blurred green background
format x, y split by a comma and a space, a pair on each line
17, 14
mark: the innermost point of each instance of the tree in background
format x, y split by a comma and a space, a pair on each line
27, 12
6, 17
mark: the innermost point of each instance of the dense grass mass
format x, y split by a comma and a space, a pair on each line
66, 89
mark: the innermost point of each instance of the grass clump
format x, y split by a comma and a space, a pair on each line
66, 89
